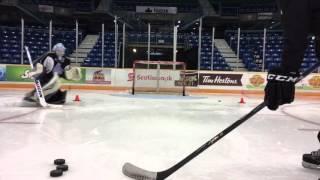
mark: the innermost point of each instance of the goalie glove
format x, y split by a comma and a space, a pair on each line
73, 73
280, 88
33, 73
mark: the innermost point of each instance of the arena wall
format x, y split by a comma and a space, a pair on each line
197, 82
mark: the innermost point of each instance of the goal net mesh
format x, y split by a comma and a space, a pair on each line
159, 77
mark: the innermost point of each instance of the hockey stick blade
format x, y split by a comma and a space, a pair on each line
137, 173
141, 174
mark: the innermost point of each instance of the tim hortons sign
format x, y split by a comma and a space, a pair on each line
208, 79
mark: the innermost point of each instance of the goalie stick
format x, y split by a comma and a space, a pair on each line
39, 91
137, 173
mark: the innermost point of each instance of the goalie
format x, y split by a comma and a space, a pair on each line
49, 69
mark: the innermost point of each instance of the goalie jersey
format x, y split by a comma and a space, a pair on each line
52, 64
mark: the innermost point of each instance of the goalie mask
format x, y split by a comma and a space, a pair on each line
59, 49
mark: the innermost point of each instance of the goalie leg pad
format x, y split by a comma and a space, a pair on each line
49, 89
52, 86
58, 98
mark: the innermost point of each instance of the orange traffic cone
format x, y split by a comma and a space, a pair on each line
77, 98
242, 101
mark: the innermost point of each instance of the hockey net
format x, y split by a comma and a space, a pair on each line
164, 77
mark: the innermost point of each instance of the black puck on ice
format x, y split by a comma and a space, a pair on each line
56, 173
63, 167
59, 161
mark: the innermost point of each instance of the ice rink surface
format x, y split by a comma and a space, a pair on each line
105, 130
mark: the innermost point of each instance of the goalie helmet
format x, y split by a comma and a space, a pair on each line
59, 49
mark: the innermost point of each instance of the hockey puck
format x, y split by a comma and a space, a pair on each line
63, 167
59, 162
56, 173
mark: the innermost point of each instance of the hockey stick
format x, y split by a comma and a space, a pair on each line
137, 173
38, 86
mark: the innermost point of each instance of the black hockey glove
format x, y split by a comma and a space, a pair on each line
280, 88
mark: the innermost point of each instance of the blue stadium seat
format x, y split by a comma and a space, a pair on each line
36, 37
274, 49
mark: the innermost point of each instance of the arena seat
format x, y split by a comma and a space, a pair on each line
36, 38
251, 49
95, 55
219, 62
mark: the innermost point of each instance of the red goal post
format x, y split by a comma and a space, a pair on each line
158, 77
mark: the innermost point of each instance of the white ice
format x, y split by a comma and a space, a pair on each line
105, 130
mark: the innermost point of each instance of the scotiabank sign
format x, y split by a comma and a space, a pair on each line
149, 77
208, 79
153, 78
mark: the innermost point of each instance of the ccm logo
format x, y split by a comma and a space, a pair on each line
282, 78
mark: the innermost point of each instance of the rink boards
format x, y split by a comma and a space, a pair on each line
196, 81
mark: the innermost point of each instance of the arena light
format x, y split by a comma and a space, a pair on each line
134, 50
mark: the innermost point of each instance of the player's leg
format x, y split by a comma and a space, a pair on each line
51, 90
59, 97
296, 18
315, 27
312, 160
280, 89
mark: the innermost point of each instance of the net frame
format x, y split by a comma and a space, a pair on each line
159, 63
